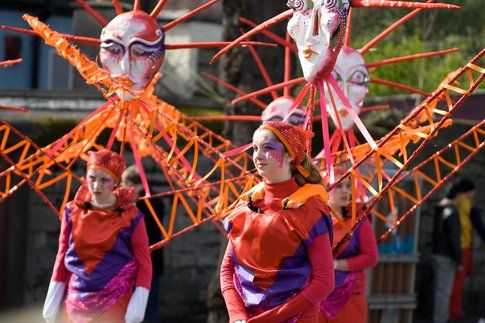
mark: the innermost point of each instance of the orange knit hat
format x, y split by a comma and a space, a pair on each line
108, 161
295, 139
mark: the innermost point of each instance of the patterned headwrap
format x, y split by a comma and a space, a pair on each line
108, 161
295, 139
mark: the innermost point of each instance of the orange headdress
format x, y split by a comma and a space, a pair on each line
295, 140
108, 161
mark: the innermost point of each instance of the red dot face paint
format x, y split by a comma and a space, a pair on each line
100, 184
341, 195
269, 155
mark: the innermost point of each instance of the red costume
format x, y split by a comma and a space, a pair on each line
278, 262
103, 253
348, 303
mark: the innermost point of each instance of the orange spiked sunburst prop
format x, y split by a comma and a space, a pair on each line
152, 129
157, 130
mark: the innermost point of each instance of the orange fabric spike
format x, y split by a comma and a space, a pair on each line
400, 4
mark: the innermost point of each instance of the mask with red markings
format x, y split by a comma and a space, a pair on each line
132, 49
313, 26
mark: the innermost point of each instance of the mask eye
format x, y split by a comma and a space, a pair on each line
299, 5
359, 78
336, 76
330, 4
139, 50
113, 48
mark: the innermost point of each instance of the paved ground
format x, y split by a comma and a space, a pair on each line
467, 319
31, 314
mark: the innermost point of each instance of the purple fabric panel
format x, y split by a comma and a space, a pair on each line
323, 225
85, 307
353, 247
289, 279
114, 260
336, 301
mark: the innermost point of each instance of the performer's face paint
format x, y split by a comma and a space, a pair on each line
313, 26
101, 185
341, 195
270, 157
353, 79
132, 48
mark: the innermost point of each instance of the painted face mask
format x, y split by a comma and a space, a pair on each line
313, 26
132, 48
353, 78
269, 155
279, 110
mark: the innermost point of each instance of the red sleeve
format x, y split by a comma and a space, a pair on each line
368, 256
320, 286
141, 251
60, 273
234, 303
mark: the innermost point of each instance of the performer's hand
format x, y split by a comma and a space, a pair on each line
240, 321
137, 306
53, 301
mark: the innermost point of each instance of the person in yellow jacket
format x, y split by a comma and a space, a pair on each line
469, 216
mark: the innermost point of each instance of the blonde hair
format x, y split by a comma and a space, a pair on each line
314, 178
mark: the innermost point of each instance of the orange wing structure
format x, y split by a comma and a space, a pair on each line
206, 172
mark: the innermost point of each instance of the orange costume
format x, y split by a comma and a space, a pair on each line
103, 252
347, 303
278, 263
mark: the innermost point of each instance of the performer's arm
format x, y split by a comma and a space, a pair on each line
234, 303
320, 286
138, 302
141, 251
368, 256
60, 273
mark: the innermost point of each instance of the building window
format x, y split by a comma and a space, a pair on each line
59, 75
13, 47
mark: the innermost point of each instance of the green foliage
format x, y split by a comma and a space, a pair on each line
430, 30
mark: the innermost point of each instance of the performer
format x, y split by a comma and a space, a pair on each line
347, 303
103, 250
278, 262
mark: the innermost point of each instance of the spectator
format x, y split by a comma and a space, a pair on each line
447, 244
469, 216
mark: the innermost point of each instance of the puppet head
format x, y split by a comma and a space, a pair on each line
279, 110
313, 25
132, 48
353, 79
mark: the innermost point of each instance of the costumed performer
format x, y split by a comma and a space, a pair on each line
347, 302
278, 265
103, 250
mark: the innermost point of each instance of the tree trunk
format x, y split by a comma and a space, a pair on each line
238, 68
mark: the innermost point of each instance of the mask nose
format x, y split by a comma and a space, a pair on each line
125, 64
